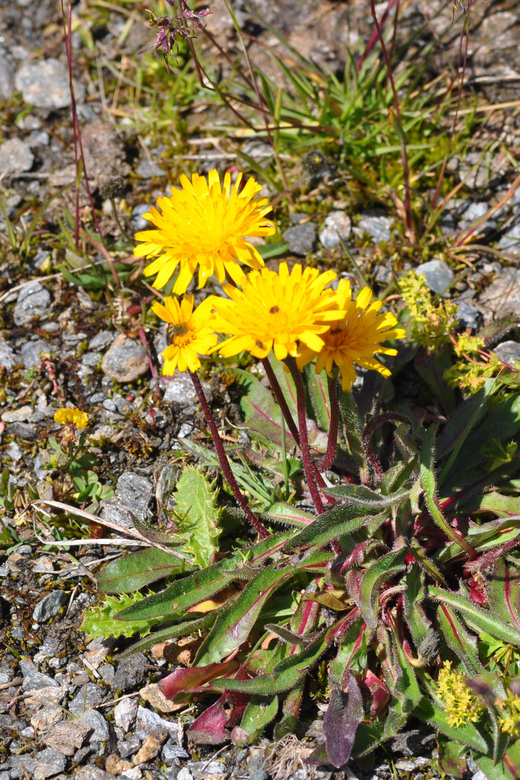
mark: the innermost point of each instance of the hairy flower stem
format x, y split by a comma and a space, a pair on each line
310, 473
332, 443
223, 459
278, 392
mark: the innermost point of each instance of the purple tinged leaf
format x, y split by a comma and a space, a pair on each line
186, 680
343, 716
211, 727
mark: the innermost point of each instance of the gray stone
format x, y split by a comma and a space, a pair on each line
508, 352
87, 697
92, 773
47, 763
44, 83
114, 512
378, 227
33, 301
137, 219
131, 672
475, 211
510, 241
23, 431
337, 226
127, 747
172, 751
7, 358
22, 414
148, 721
33, 680
147, 169
125, 712
503, 294
438, 275
95, 721
468, 315
67, 736
15, 156
6, 79
31, 352
100, 340
301, 238
126, 360
180, 390
259, 774
134, 493
50, 606
91, 359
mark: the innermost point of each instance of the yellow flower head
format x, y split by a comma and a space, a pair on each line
355, 337
205, 225
71, 416
188, 333
459, 702
276, 310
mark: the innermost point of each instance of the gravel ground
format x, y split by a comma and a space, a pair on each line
68, 708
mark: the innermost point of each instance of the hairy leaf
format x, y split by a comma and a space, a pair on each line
469, 734
377, 574
260, 711
232, 628
197, 515
479, 619
343, 716
135, 570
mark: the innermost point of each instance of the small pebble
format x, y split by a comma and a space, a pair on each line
15, 156
126, 360
44, 83
439, 276
510, 241
33, 301
49, 606
508, 352
337, 226
301, 238
377, 227
130, 672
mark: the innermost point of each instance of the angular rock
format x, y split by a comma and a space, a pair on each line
15, 156
134, 492
125, 712
44, 83
66, 737
337, 226
510, 241
508, 352
150, 748
130, 672
49, 606
180, 390
32, 351
92, 773
301, 238
94, 720
21, 414
378, 227
6, 80
47, 763
156, 698
33, 680
116, 765
468, 315
47, 716
7, 358
438, 275
33, 301
126, 360
147, 169
148, 722
87, 697
503, 294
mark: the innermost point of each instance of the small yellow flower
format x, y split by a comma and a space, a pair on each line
276, 311
188, 333
71, 416
355, 337
205, 225
460, 704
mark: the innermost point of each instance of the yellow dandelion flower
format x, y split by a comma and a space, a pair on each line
355, 337
276, 310
71, 416
188, 333
205, 225
459, 702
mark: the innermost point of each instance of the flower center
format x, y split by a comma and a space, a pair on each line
179, 334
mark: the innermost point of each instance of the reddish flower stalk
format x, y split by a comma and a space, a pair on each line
223, 459
304, 441
332, 443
